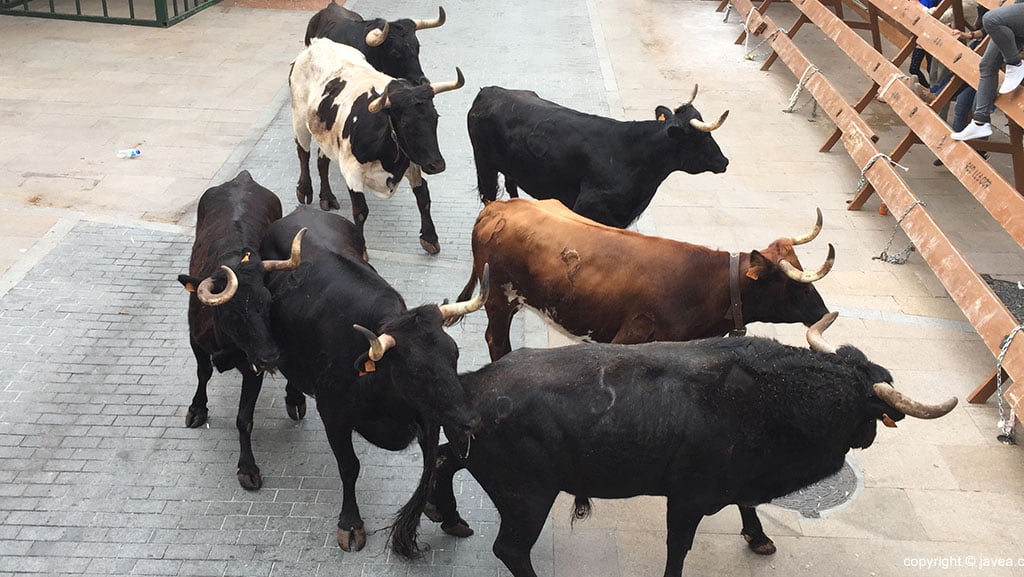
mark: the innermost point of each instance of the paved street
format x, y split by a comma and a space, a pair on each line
99, 475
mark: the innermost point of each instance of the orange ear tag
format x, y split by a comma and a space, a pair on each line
661, 117
246, 257
888, 422
368, 367
752, 274
190, 288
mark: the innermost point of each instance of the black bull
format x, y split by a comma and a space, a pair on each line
375, 366
705, 423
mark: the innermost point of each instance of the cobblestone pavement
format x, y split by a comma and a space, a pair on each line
99, 475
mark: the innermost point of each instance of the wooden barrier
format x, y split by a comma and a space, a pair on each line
982, 307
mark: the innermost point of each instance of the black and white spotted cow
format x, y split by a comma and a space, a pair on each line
379, 129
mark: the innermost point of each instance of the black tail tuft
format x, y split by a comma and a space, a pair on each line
581, 510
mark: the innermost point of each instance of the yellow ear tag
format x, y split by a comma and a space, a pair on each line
368, 367
751, 273
190, 287
246, 257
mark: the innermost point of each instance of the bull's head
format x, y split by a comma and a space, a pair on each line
394, 49
241, 303
418, 348
776, 289
414, 118
696, 149
883, 402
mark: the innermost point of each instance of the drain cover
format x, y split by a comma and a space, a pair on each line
825, 495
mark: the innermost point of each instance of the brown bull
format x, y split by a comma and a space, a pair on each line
611, 285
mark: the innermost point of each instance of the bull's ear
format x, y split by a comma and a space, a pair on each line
189, 282
663, 113
758, 265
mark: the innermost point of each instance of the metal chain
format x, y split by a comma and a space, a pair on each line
903, 255
752, 53
1005, 424
804, 78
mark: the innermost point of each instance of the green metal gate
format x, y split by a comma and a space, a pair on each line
139, 12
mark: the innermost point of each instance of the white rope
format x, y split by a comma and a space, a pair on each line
863, 171
888, 85
1005, 423
804, 78
728, 10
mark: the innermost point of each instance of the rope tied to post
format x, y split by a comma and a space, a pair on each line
1005, 423
750, 54
804, 79
888, 85
902, 256
863, 171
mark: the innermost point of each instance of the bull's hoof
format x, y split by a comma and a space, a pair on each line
430, 510
328, 204
304, 197
430, 247
760, 544
250, 481
297, 412
459, 529
196, 418
352, 540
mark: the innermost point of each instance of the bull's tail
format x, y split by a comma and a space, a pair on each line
407, 522
581, 510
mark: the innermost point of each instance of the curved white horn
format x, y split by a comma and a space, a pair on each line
431, 23
294, 260
811, 235
692, 96
456, 310
814, 336
809, 276
378, 345
910, 407
709, 126
377, 36
205, 290
459, 82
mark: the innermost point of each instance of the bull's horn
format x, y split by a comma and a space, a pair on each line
809, 276
708, 126
378, 104
439, 87
377, 36
378, 345
811, 235
814, 336
910, 407
293, 261
205, 290
456, 310
431, 23
692, 97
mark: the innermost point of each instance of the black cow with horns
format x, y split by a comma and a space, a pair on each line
391, 47
375, 366
229, 310
705, 423
603, 169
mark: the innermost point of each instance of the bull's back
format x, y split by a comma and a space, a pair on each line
231, 216
327, 233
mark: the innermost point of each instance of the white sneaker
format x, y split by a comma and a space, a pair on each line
1013, 78
972, 131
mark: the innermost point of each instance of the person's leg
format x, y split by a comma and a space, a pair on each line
988, 79
962, 108
1005, 26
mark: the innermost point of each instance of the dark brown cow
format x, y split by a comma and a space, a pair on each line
611, 285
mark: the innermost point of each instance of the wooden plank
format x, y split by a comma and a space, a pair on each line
972, 294
998, 196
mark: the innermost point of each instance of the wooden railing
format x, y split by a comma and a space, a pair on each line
904, 23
